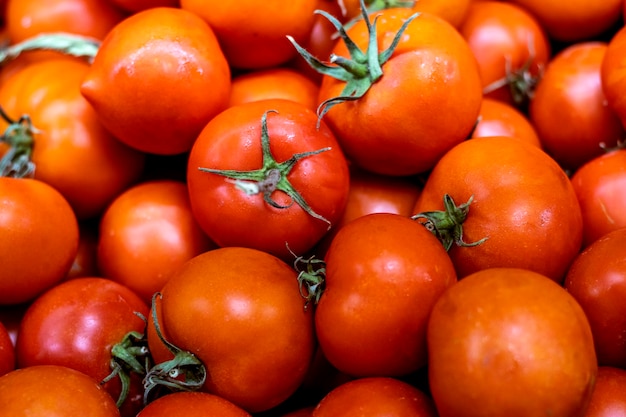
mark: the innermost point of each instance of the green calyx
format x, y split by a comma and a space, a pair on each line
311, 278
272, 176
19, 136
377, 5
447, 225
361, 70
65, 43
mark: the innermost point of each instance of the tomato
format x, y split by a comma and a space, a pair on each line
147, 233
613, 75
499, 118
252, 33
597, 279
72, 150
599, 185
608, 397
192, 404
157, 78
509, 342
52, 390
515, 204
569, 108
384, 272
385, 113
134, 6
234, 195
240, 312
375, 397
39, 238
272, 83
7, 351
510, 46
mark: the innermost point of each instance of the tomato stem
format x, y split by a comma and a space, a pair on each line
19, 135
375, 6
65, 43
311, 280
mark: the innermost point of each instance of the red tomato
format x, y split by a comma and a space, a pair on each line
262, 175
511, 205
599, 185
384, 272
498, 118
51, 390
7, 351
375, 397
240, 312
569, 108
158, 77
613, 74
146, 234
597, 280
609, 395
38, 238
192, 404
509, 342
76, 324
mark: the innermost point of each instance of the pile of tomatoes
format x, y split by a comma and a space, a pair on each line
312, 208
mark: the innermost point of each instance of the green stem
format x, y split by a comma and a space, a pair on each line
65, 43
311, 279
19, 135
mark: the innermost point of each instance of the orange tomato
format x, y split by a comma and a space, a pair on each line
498, 118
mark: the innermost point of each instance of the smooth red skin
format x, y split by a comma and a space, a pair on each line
7, 351
76, 324
509, 342
609, 395
384, 272
39, 238
240, 312
53, 391
599, 185
524, 205
499, 118
232, 140
169, 78
613, 74
192, 404
375, 397
569, 108
146, 234
497, 31
430, 88
597, 279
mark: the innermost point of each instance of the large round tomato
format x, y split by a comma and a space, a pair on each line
192, 404
613, 74
609, 395
262, 175
500, 202
510, 342
158, 77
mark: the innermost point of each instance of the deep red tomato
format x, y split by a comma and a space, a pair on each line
384, 272
599, 185
569, 109
146, 234
240, 312
7, 351
51, 390
262, 175
375, 397
76, 324
613, 74
609, 395
158, 77
510, 205
38, 238
498, 118
510, 342
192, 404
597, 279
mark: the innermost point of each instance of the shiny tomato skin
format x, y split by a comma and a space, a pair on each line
239, 310
509, 342
499, 118
192, 404
232, 141
613, 74
608, 398
52, 390
384, 272
597, 279
7, 351
524, 205
39, 238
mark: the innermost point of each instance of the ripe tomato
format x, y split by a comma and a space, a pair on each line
158, 77
192, 404
384, 272
146, 234
69, 139
499, 118
252, 33
597, 280
52, 390
375, 397
599, 185
234, 194
509, 342
240, 312
523, 205
569, 108
38, 238
510, 46
609, 394
7, 351
613, 74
